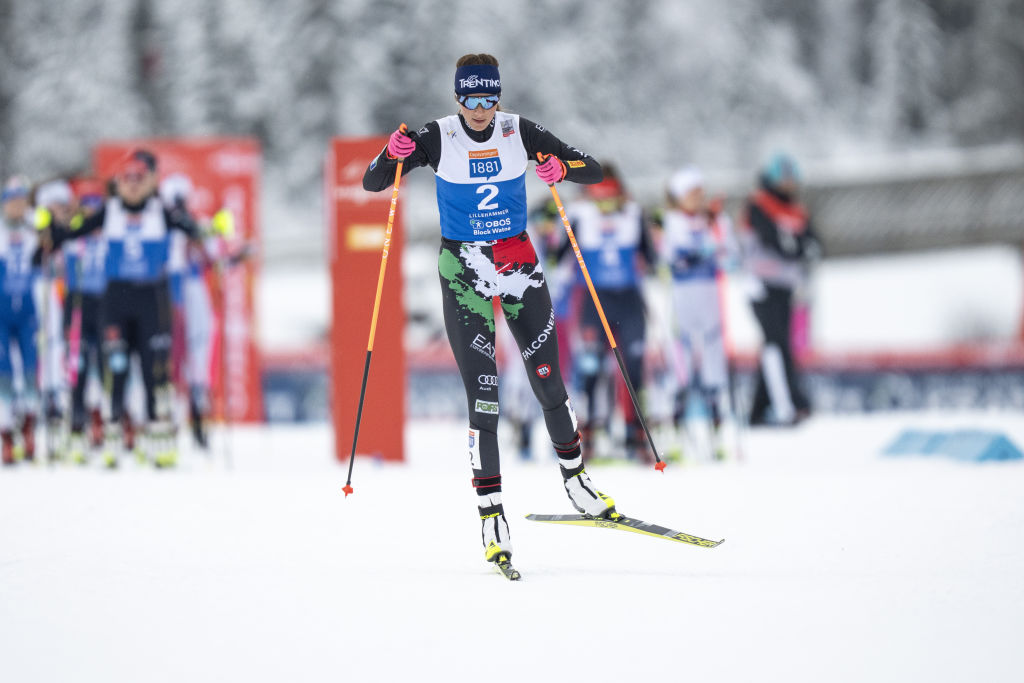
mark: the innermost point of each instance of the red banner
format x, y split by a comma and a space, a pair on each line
357, 223
225, 173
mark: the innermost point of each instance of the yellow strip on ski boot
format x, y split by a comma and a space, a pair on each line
502, 562
160, 439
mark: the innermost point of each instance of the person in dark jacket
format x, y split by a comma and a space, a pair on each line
779, 244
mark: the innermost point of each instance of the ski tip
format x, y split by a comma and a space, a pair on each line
347, 489
660, 466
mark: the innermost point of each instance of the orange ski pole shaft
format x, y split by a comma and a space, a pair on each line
373, 320
660, 464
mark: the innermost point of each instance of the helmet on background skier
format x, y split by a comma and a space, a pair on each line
682, 185
175, 190
56, 197
781, 174
90, 192
14, 197
609, 194
54, 193
15, 187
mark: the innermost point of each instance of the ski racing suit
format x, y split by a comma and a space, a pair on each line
19, 322
611, 244
485, 253
136, 303
778, 242
86, 279
694, 246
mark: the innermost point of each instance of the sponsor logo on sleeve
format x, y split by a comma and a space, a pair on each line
486, 407
575, 163
534, 346
481, 345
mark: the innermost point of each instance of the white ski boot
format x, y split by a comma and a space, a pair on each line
582, 493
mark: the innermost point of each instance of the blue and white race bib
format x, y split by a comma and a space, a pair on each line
481, 186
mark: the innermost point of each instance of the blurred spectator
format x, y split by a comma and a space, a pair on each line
19, 258
696, 243
612, 234
779, 243
53, 196
86, 279
191, 295
136, 304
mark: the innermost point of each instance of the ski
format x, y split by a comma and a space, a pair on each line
504, 567
628, 524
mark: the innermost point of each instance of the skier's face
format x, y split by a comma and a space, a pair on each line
15, 208
479, 118
789, 187
692, 201
62, 212
134, 185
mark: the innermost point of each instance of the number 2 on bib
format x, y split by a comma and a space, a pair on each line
486, 203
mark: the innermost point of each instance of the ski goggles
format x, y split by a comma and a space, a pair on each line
486, 101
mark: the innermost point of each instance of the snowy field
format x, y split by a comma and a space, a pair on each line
839, 565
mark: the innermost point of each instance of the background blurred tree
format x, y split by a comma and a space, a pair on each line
723, 82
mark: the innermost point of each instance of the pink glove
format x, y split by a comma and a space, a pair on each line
400, 145
551, 171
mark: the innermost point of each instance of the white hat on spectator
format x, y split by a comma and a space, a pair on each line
54, 193
684, 180
175, 188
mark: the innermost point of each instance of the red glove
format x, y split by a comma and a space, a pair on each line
400, 145
552, 170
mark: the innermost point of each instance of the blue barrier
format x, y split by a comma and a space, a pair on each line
964, 444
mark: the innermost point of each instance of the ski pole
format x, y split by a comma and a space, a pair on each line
373, 320
660, 464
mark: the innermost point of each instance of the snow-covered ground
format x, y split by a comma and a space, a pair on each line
839, 564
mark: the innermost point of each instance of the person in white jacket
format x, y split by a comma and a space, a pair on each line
697, 243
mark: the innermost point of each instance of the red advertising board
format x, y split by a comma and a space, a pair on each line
357, 223
225, 173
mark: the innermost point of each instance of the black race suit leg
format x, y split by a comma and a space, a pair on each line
119, 303
90, 351
471, 275
155, 345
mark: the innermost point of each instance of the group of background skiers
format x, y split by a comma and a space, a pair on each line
659, 276
99, 278
96, 273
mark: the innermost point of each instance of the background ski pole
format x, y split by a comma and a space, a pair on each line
660, 464
373, 320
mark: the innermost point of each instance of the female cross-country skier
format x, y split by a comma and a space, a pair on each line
19, 322
136, 303
611, 230
480, 156
697, 242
